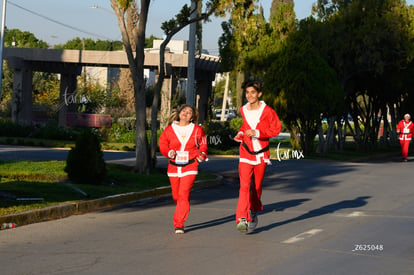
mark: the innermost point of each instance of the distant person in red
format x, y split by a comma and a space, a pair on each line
260, 122
405, 129
183, 142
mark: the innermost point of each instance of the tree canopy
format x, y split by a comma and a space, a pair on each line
22, 39
350, 57
78, 43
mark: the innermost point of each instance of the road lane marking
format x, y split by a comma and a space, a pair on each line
352, 214
356, 214
302, 236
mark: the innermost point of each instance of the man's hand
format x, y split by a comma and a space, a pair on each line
250, 133
202, 157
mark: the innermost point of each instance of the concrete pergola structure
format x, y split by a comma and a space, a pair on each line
69, 63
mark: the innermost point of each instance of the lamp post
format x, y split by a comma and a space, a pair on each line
190, 98
99, 7
3, 20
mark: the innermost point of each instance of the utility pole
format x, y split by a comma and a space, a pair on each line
226, 92
3, 23
190, 97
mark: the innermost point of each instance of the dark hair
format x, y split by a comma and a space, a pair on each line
256, 84
175, 116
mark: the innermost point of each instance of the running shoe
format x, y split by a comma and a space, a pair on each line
179, 230
252, 225
242, 225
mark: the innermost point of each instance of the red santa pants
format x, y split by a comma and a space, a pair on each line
181, 188
249, 197
405, 144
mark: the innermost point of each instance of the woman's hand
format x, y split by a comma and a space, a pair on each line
239, 137
172, 154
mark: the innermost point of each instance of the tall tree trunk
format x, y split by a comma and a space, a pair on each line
156, 102
321, 143
129, 19
393, 132
239, 93
157, 93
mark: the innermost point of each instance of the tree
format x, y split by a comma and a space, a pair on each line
282, 18
91, 44
304, 86
324, 9
368, 45
137, 24
132, 21
170, 28
248, 40
150, 41
270, 36
240, 36
22, 39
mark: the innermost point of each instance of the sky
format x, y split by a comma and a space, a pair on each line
57, 21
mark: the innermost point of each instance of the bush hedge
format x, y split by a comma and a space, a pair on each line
85, 163
220, 134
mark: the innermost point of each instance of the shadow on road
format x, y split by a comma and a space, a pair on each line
278, 206
327, 209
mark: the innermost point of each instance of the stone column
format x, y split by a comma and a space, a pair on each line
22, 91
68, 99
204, 90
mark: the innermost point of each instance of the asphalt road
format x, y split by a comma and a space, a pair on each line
318, 218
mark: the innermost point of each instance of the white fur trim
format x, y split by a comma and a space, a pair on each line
180, 174
251, 162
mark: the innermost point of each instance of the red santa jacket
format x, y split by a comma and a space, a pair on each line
195, 145
268, 125
406, 130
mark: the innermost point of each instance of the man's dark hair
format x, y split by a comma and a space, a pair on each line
256, 84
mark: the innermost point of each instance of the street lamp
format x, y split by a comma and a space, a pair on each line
3, 21
102, 8
190, 98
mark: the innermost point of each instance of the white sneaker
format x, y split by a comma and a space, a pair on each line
179, 230
242, 225
252, 225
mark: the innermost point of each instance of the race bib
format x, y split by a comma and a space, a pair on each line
181, 157
406, 131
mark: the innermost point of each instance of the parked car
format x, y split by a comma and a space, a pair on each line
228, 115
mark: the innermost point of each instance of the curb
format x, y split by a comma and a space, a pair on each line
81, 207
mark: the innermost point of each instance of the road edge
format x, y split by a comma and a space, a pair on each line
65, 210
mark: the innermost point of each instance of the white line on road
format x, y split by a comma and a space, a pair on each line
356, 214
303, 236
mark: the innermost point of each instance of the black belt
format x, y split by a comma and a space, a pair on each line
255, 152
181, 165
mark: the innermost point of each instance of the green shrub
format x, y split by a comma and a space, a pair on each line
236, 123
220, 135
48, 130
119, 133
85, 163
127, 123
10, 129
51, 130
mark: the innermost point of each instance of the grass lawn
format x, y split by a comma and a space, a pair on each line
27, 185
